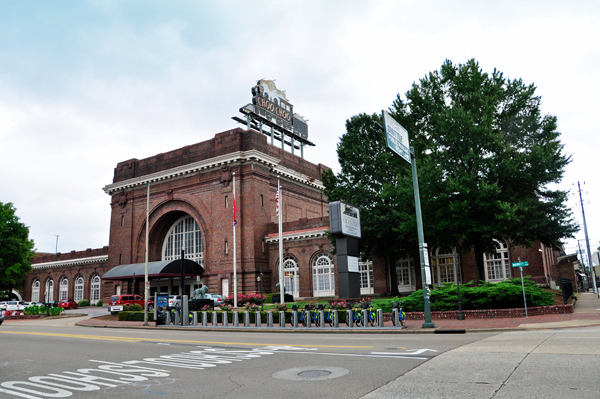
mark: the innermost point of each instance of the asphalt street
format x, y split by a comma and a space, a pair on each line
55, 358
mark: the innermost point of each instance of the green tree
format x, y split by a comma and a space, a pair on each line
16, 249
369, 180
486, 159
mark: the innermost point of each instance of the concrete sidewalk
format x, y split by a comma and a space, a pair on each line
586, 313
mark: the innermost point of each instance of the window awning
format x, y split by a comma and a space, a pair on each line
161, 269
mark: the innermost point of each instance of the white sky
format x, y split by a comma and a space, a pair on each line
87, 84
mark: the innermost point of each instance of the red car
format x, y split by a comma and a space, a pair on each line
122, 300
67, 304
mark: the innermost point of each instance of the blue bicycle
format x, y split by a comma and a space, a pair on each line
371, 315
401, 313
356, 316
328, 315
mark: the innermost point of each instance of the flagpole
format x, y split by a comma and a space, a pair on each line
235, 304
281, 282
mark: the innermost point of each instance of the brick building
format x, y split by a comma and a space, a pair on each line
191, 201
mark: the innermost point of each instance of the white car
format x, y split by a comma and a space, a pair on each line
15, 305
174, 300
3, 305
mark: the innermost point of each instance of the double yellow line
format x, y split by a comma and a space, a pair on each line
131, 339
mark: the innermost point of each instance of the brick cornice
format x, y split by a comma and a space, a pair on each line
70, 262
206, 165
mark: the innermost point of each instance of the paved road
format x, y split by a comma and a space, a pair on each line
34, 354
89, 362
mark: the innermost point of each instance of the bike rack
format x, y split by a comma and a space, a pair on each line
379, 318
281, 319
257, 319
195, 319
204, 319
236, 319
246, 319
270, 318
336, 319
214, 319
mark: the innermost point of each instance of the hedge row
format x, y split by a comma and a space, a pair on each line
135, 316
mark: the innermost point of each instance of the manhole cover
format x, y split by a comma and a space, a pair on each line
311, 373
314, 374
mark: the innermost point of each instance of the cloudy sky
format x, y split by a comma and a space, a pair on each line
87, 84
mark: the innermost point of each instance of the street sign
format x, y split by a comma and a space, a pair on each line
396, 137
520, 264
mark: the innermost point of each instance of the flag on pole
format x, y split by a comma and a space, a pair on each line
277, 201
234, 212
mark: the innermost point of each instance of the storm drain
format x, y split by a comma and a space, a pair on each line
311, 373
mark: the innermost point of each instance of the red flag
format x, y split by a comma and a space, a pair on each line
234, 212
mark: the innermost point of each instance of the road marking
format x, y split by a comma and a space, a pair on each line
414, 352
130, 339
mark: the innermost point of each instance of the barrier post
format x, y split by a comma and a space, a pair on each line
294, 318
270, 318
365, 317
195, 321
336, 319
246, 319
236, 319
257, 318
214, 319
282, 319
321, 318
225, 320
204, 319
379, 317
350, 317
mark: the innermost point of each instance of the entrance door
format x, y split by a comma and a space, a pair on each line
225, 287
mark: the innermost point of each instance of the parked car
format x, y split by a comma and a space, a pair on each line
123, 300
52, 304
217, 299
3, 305
15, 305
174, 300
67, 304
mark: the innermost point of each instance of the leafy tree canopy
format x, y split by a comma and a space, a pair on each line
16, 249
487, 160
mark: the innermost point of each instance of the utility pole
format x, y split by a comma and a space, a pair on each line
587, 241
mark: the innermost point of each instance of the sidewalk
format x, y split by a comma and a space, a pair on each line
586, 313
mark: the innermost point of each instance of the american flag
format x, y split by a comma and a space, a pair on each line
234, 212
277, 202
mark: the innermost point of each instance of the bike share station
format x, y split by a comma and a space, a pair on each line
345, 226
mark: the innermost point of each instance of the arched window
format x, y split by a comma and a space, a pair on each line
497, 267
78, 296
49, 290
323, 275
184, 233
95, 290
366, 276
405, 273
63, 292
291, 280
35, 291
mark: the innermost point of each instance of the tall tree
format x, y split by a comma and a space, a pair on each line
490, 157
486, 158
16, 249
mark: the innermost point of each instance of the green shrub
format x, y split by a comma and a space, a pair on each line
99, 304
137, 307
135, 316
502, 295
55, 311
83, 302
269, 298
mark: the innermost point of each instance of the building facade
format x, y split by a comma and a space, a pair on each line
188, 196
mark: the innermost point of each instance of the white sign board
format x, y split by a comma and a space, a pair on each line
396, 137
116, 308
596, 258
427, 275
344, 219
353, 264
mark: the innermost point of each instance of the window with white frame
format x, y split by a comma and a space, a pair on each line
291, 279
185, 233
366, 276
49, 290
78, 295
63, 292
405, 274
496, 265
323, 275
95, 290
442, 267
35, 291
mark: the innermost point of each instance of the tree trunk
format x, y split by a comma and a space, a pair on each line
393, 277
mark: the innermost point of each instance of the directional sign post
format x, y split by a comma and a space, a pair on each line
396, 138
520, 265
